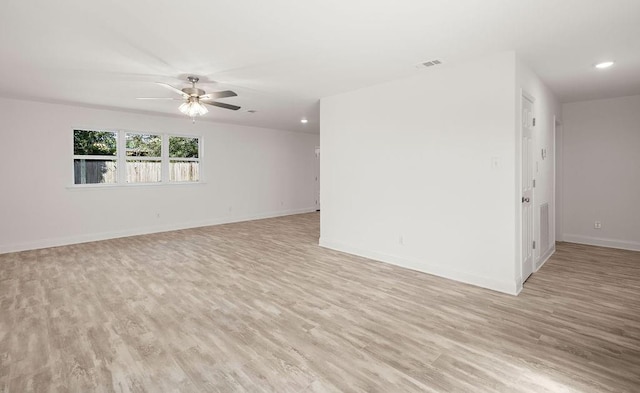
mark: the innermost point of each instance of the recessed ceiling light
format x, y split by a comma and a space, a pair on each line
604, 64
304, 121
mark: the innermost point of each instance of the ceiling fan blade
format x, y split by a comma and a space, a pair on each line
222, 105
159, 98
173, 89
219, 94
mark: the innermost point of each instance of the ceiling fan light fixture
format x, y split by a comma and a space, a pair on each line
193, 108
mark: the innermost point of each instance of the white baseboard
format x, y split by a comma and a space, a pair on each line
519, 286
84, 238
597, 241
509, 287
545, 257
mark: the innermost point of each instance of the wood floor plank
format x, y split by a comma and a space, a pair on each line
258, 306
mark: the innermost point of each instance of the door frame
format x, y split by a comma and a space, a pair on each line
558, 179
317, 178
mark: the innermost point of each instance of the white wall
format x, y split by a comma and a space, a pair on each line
247, 173
601, 172
547, 110
407, 174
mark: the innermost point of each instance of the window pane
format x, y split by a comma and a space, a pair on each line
144, 145
144, 171
184, 171
183, 147
94, 143
94, 171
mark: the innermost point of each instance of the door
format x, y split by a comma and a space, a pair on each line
528, 122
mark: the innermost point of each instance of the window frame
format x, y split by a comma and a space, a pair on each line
121, 158
94, 157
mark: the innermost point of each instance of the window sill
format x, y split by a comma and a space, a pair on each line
76, 187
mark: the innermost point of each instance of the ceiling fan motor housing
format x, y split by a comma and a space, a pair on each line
193, 91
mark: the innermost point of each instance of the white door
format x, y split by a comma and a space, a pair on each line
317, 174
528, 122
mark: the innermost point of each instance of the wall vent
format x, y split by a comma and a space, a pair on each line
431, 63
544, 228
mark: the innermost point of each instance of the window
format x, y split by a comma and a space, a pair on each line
95, 157
184, 161
144, 158
141, 157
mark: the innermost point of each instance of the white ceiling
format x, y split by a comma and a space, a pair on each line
281, 56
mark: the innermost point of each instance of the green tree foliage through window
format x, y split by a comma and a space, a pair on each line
144, 145
183, 147
94, 143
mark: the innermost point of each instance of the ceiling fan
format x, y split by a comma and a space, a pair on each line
194, 98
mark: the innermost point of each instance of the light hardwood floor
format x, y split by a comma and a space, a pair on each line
259, 307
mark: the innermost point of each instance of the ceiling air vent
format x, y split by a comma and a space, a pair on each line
431, 63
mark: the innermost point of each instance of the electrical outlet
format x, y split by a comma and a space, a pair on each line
157, 215
401, 240
597, 225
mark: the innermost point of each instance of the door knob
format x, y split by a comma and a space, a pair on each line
525, 199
